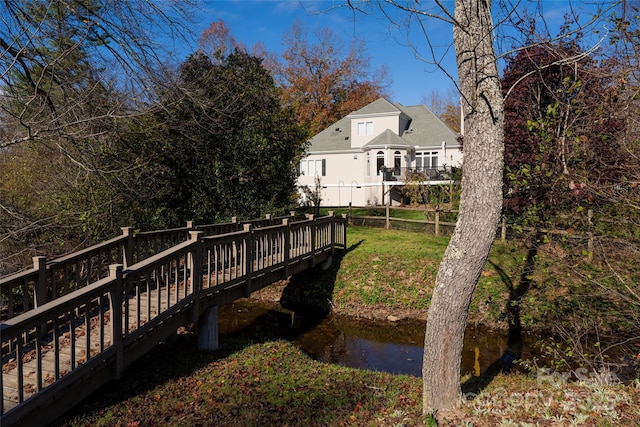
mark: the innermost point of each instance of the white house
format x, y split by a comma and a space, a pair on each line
365, 157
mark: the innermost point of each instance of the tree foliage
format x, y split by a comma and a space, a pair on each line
563, 130
58, 57
226, 145
322, 81
72, 77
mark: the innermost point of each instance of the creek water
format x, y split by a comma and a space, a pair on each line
395, 347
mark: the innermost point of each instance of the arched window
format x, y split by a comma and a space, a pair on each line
379, 161
396, 163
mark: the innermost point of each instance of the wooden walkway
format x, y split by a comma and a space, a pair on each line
56, 354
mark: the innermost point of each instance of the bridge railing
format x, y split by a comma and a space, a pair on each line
134, 301
50, 279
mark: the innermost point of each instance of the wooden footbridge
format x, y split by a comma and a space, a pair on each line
70, 325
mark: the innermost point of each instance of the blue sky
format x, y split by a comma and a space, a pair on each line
412, 80
266, 21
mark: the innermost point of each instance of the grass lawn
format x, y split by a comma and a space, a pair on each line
382, 273
275, 384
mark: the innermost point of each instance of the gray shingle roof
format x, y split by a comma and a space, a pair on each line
379, 106
387, 138
424, 129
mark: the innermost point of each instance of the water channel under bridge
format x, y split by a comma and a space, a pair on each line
72, 324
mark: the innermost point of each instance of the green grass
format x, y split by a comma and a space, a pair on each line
387, 269
394, 271
274, 383
389, 272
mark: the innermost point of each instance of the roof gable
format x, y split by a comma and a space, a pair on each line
378, 107
388, 138
424, 129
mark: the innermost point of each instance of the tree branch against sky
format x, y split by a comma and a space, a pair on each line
54, 54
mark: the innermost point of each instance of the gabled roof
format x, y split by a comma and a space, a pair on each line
378, 107
388, 138
424, 129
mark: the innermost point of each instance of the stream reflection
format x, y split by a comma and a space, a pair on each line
383, 346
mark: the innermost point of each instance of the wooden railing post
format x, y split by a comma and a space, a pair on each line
344, 232
312, 228
194, 263
248, 253
287, 246
333, 233
387, 223
40, 291
127, 248
116, 310
437, 224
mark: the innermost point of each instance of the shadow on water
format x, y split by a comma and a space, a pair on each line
375, 345
514, 340
305, 302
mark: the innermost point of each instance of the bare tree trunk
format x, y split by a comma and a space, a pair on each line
480, 206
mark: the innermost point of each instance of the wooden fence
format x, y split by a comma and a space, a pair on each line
586, 236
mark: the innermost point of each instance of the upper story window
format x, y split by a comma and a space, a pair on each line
365, 128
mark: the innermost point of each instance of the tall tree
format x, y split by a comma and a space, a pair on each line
321, 80
228, 146
72, 76
480, 205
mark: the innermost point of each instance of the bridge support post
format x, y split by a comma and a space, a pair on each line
208, 330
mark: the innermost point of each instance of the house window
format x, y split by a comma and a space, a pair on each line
379, 161
396, 163
313, 167
426, 160
365, 128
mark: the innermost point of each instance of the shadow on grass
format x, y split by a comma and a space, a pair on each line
514, 338
306, 300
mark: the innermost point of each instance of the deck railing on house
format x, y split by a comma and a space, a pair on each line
442, 173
